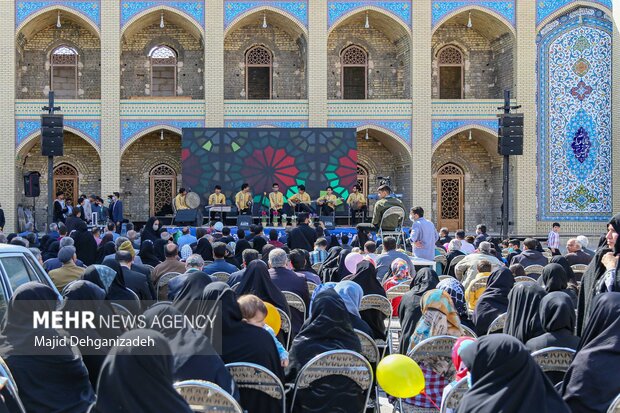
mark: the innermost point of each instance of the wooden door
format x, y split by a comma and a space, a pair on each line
163, 186
450, 197
66, 181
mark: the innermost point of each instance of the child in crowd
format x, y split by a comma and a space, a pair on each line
254, 312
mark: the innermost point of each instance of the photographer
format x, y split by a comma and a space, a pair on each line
385, 202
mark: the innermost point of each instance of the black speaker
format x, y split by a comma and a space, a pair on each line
510, 134
244, 221
328, 222
188, 217
32, 189
52, 135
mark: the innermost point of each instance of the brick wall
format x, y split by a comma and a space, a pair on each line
33, 61
482, 182
380, 161
77, 153
488, 63
135, 63
388, 62
289, 62
136, 163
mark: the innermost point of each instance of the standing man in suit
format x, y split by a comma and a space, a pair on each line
116, 209
59, 207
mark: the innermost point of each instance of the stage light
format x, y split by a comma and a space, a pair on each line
58, 25
469, 23
161, 21
264, 21
367, 24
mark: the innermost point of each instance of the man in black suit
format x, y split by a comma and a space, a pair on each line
302, 236
59, 207
135, 281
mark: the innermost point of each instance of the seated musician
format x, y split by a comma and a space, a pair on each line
276, 202
357, 203
243, 200
301, 200
217, 198
327, 202
179, 200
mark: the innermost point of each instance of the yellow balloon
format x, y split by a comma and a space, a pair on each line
273, 319
400, 376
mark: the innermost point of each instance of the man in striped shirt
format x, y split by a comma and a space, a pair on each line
553, 241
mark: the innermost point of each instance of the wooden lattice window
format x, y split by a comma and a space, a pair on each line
163, 71
64, 72
451, 73
66, 181
354, 82
362, 178
258, 73
163, 187
450, 196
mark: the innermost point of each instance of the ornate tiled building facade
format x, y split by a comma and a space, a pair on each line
130, 74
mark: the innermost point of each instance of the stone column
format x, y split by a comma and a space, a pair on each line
421, 125
110, 98
9, 182
214, 64
524, 189
317, 63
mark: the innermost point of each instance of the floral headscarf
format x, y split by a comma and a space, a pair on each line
186, 251
439, 317
461, 368
456, 291
400, 270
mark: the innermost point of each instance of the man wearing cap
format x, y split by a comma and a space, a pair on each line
69, 271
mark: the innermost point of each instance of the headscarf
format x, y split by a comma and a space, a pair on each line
147, 253
329, 267
409, 310
194, 356
456, 292
159, 247
139, 379
189, 298
85, 244
505, 378
592, 382
204, 249
111, 279
66, 386
318, 289
595, 271
570, 274
351, 294
439, 318
186, 251
523, 318
256, 280
494, 300
105, 249
148, 233
557, 313
460, 345
366, 276
553, 278
400, 270
343, 271
325, 330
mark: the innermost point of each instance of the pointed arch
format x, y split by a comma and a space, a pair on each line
488, 131
285, 19
373, 11
573, 5
175, 16
50, 14
505, 22
145, 132
27, 143
392, 141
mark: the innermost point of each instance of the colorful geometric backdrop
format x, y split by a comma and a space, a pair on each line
229, 157
574, 123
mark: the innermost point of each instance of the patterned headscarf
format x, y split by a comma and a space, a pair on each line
439, 317
186, 251
400, 270
456, 291
461, 368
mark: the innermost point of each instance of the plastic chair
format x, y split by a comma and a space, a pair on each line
398, 232
445, 277
468, 331
311, 287
533, 269
316, 266
254, 377
614, 407
234, 287
454, 262
554, 358
497, 325
371, 352
336, 363
221, 276
204, 396
454, 396
164, 280
427, 352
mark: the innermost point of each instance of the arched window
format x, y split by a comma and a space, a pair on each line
354, 62
64, 72
450, 197
450, 73
163, 188
258, 72
362, 178
66, 181
163, 71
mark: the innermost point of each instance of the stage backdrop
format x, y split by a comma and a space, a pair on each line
314, 157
